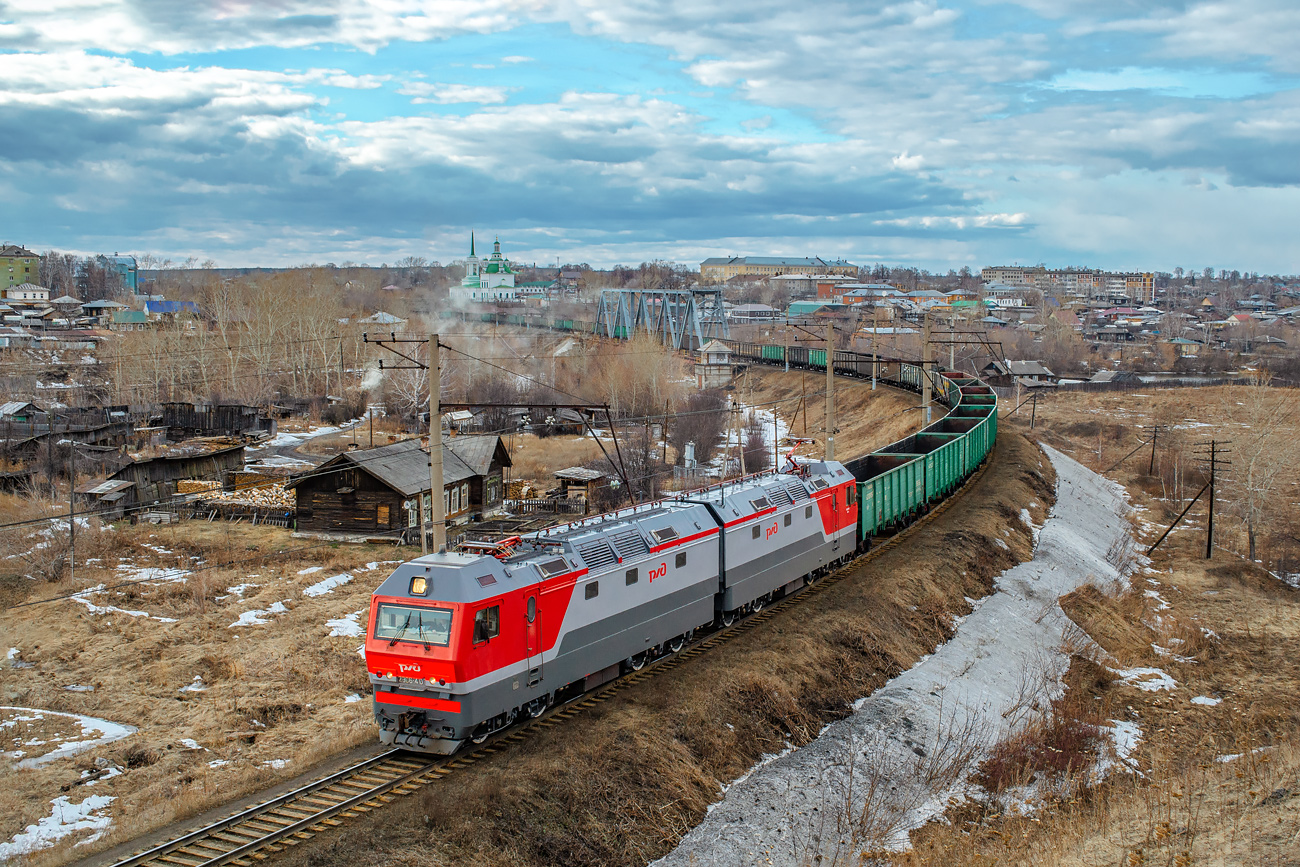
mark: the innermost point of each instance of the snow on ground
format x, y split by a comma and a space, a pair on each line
67, 818
320, 588
1147, 679
1206, 700
94, 732
258, 617
113, 609
347, 626
311, 570
874, 763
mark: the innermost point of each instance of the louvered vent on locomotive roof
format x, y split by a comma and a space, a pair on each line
630, 544
797, 491
778, 496
597, 553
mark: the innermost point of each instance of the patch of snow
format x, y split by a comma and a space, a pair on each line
238, 590
1206, 700
218, 763
320, 588
113, 609
191, 744
258, 617
275, 764
1147, 679
1164, 651
13, 653
95, 732
79, 687
312, 570
348, 626
1161, 605
196, 685
66, 819
351, 697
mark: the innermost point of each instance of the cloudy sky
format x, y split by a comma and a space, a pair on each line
939, 133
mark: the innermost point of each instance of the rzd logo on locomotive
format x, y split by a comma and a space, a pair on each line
772, 530
413, 668
658, 572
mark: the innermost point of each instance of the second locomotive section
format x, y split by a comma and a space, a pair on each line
459, 645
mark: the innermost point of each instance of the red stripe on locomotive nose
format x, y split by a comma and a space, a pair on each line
418, 701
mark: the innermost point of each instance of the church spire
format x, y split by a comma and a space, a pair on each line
471, 243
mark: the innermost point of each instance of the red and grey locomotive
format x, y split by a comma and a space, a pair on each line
460, 645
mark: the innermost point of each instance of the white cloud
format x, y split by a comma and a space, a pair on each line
448, 94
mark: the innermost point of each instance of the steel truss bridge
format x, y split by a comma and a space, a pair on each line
679, 318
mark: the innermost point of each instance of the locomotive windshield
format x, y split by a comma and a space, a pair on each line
413, 623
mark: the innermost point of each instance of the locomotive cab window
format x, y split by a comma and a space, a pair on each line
787, 519
487, 624
807, 512
851, 496
681, 560
532, 608
416, 623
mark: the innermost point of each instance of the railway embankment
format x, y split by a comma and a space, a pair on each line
895, 763
624, 781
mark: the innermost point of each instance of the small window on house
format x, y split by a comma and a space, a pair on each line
464, 496
632, 577
593, 589
487, 624
681, 560
757, 530
788, 518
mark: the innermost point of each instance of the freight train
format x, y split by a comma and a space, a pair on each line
460, 645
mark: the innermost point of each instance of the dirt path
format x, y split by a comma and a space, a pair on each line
625, 781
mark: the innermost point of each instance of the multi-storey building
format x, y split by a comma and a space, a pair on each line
18, 265
718, 269
1139, 286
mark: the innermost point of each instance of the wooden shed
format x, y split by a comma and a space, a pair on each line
379, 491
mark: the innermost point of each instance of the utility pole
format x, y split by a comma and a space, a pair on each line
926, 350
1216, 461
875, 335
1155, 430
437, 513
72, 512
435, 447
1033, 411
830, 391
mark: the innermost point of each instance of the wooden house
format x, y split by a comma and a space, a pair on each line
379, 491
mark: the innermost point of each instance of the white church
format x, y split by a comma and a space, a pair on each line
488, 282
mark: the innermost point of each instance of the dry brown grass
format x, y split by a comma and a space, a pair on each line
287, 675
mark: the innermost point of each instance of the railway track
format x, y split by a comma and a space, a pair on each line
252, 835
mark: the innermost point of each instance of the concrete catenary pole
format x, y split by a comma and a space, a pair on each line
830, 391
435, 446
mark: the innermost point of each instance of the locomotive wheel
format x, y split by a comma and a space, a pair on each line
728, 618
537, 706
757, 605
676, 644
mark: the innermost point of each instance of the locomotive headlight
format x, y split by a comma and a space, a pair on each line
419, 586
